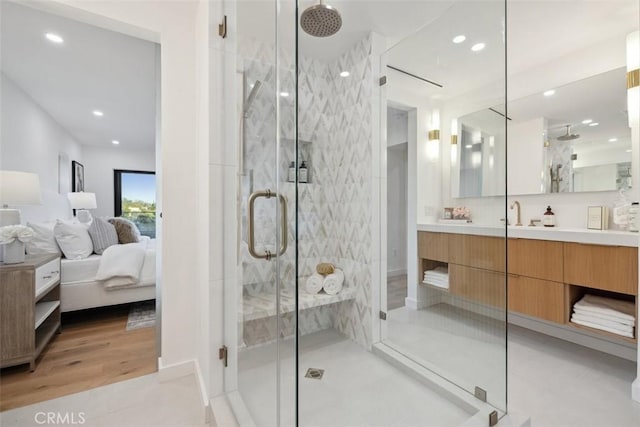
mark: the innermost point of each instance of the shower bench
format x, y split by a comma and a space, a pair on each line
262, 305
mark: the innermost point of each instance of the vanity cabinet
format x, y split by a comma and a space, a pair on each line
540, 259
545, 278
483, 252
609, 268
543, 299
484, 286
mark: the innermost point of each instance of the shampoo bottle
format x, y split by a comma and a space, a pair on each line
549, 218
304, 173
292, 172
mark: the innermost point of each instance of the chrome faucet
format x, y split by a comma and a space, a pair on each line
516, 204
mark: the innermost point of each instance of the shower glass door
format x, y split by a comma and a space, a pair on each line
266, 297
448, 312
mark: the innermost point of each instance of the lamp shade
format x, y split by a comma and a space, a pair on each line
19, 188
82, 200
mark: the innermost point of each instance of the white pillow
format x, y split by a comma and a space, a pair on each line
43, 241
73, 239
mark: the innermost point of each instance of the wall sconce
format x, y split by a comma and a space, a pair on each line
633, 77
434, 125
454, 131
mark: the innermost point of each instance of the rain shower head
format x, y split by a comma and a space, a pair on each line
568, 136
321, 20
252, 97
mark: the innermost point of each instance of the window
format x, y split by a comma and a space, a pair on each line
135, 199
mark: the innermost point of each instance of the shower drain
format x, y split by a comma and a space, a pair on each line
314, 373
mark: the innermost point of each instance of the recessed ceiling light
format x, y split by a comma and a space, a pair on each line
459, 39
54, 38
613, 139
629, 150
345, 74
594, 124
98, 113
284, 94
549, 92
468, 146
115, 142
587, 121
478, 47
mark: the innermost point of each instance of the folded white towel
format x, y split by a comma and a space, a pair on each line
438, 280
598, 321
602, 328
314, 283
438, 271
437, 284
333, 282
608, 306
601, 316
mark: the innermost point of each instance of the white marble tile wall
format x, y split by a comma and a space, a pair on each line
334, 208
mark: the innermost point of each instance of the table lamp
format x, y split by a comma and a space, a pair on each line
17, 189
82, 201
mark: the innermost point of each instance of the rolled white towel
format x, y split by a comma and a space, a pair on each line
333, 282
314, 283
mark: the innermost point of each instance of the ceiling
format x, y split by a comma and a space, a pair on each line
115, 73
94, 69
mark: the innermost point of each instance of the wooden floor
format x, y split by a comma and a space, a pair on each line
94, 349
396, 291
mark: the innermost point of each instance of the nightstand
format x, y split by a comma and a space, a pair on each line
29, 308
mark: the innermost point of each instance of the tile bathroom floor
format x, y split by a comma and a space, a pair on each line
139, 402
551, 382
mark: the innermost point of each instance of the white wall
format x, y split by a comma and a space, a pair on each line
99, 164
31, 142
172, 24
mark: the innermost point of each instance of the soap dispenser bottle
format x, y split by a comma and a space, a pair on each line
634, 217
304, 173
549, 218
292, 172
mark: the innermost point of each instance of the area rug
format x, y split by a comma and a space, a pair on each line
142, 315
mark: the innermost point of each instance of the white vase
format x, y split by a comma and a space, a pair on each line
13, 253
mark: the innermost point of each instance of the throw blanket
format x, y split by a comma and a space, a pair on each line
121, 265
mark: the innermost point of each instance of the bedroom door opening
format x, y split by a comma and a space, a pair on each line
98, 106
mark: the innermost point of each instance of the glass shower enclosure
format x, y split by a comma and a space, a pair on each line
324, 349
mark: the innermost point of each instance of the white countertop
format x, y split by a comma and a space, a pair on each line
596, 237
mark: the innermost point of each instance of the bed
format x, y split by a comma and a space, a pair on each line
122, 274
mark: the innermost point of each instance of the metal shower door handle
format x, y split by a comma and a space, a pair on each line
267, 194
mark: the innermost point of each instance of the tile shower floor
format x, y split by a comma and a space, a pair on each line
357, 388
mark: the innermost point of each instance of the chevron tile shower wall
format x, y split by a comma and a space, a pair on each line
334, 208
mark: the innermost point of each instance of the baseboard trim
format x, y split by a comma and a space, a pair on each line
203, 392
175, 370
635, 389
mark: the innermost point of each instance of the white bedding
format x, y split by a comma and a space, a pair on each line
80, 270
129, 265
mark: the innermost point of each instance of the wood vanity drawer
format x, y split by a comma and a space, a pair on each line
541, 259
478, 251
434, 246
611, 268
538, 298
487, 287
